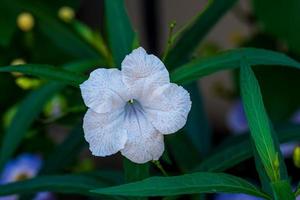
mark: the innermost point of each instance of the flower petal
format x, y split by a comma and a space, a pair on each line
104, 91
167, 108
104, 132
144, 142
139, 68
143, 149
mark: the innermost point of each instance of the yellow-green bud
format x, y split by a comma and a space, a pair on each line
27, 83
66, 14
296, 157
25, 21
17, 61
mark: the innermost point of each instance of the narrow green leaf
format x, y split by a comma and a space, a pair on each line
74, 184
234, 153
258, 121
264, 140
191, 36
201, 182
64, 153
29, 109
263, 176
120, 33
47, 72
283, 190
229, 60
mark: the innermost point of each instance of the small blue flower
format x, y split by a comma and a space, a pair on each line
44, 196
25, 166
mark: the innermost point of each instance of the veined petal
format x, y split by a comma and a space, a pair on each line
144, 142
140, 68
167, 108
104, 91
104, 132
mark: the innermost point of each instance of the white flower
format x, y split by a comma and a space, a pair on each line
130, 110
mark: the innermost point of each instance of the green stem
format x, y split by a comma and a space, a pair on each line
160, 167
170, 40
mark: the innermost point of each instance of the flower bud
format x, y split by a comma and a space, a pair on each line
27, 83
25, 21
66, 14
296, 157
17, 61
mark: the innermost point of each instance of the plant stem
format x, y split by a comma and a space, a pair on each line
170, 39
160, 167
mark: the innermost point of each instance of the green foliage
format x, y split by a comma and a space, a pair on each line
258, 121
47, 72
236, 151
283, 190
55, 42
201, 182
285, 24
75, 184
193, 33
229, 60
28, 110
119, 31
64, 153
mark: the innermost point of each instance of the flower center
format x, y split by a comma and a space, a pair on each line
21, 177
133, 109
131, 101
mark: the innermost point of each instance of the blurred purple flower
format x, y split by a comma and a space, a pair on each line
235, 197
44, 196
237, 124
296, 117
236, 118
25, 166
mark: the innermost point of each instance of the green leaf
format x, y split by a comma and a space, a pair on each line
201, 182
258, 122
65, 152
283, 190
229, 60
27, 112
73, 184
29, 109
47, 72
191, 36
263, 176
234, 152
120, 33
